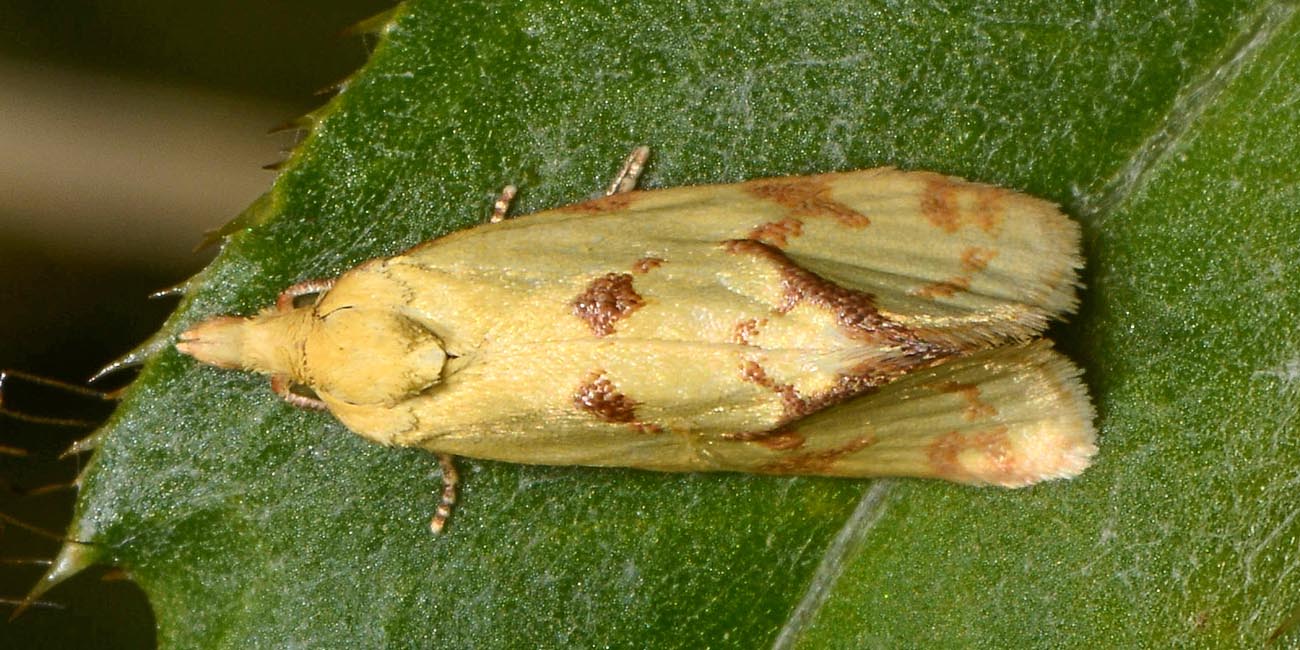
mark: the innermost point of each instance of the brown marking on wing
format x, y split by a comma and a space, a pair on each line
990, 208
791, 402
868, 376
945, 452
646, 264
976, 408
942, 289
776, 439
607, 300
611, 203
942, 454
857, 381
777, 233
857, 316
598, 396
816, 462
997, 447
806, 196
746, 330
783, 441
973, 260
941, 204
855, 311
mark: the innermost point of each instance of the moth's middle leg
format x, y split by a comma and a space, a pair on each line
450, 479
624, 181
502, 204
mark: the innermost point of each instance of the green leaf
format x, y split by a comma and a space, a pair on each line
1170, 131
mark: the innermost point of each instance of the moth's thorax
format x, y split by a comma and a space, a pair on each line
368, 355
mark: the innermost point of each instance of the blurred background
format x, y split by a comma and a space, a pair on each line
127, 129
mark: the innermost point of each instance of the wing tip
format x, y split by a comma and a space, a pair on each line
1062, 453
1062, 442
1019, 269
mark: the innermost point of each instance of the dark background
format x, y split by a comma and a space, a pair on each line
127, 128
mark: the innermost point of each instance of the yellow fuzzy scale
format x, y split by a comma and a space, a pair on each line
866, 323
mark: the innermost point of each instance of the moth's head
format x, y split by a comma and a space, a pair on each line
369, 355
347, 352
269, 342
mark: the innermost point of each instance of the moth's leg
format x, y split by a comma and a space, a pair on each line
284, 302
280, 386
625, 180
450, 478
76, 389
502, 204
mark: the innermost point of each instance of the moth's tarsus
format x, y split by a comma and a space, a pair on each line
502, 205
626, 178
450, 479
285, 301
283, 386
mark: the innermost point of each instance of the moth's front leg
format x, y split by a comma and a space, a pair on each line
282, 386
284, 301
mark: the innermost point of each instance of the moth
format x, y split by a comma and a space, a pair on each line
857, 324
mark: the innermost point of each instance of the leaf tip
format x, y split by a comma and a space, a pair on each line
73, 558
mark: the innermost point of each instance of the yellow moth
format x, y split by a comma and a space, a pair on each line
865, 323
